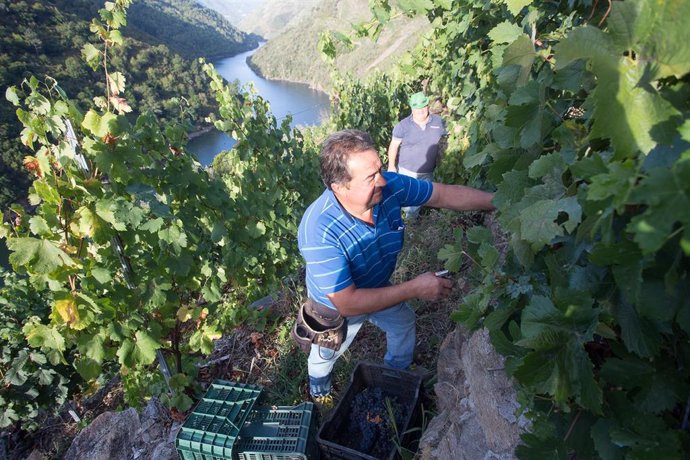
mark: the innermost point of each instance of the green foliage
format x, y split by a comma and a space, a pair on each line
271, 175
582, 131
48, 37
374, 106
32, 380
135, 248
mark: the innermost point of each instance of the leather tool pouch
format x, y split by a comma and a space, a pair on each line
319, 325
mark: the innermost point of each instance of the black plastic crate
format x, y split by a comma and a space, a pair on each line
276, 433
405, 386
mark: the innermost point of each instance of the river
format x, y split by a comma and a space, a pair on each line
307, 106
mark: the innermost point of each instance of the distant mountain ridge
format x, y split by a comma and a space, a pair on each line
293, 54
275, 16
188, 28
234, 11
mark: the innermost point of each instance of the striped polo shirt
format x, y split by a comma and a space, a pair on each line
341, 250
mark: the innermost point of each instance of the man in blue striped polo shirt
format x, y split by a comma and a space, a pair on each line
350, 238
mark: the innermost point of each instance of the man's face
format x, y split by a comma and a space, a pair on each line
420, 114
364, 190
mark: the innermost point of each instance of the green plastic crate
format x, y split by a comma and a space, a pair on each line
277, 433
211, 429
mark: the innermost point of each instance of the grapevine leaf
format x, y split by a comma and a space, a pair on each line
120, 104
152, 226
12, 96
572, 208
535, 369
100, 126
658, 394
125, 353
40, 256
489, 255
92, 346
116, 82
664, 192
546, 165
539, 315
87, 368
45, 192
529, 120
537, 221
616, 183
602, 440
381, 10
44, 337
325, 46
452, 255
639, 334
416, 6
629, 278
684, 131
656, 32
590, 395
66, 309
146, 346
108, 210
92, 55
211, 292
101, 274
478, 235
511, 189
256, 229
8, 416
625, 110
521, 53
16, 375
115, 36
39, 226
45, 376
174, 237
505, 32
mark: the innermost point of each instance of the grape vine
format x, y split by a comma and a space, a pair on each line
134, 251
577, 114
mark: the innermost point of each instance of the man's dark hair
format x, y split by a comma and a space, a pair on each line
336, 151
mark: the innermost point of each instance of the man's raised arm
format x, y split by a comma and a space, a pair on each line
460, 198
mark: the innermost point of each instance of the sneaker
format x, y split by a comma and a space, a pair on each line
323, 403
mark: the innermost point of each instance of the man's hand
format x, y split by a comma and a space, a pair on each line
431, 287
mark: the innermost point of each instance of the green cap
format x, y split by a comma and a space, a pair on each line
418, 101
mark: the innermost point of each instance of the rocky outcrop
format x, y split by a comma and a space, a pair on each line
128, 435
108, 437
476, 403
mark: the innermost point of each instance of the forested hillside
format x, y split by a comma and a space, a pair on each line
45, 37
293, 55
274, 16
234, 11
187, 28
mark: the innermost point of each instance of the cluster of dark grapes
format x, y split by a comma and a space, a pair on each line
371, 429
